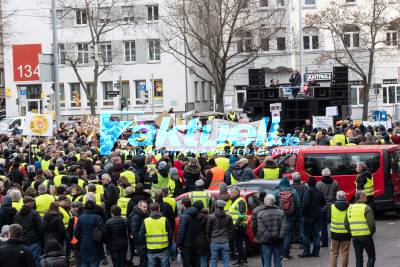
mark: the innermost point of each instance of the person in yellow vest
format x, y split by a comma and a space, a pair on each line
222, 162
123, 201
16, 198
216, 175
339, 138
64, 207
128, 173
360, 222
91, 188
271, 170
232, 116
200, 194
122, 185
365, 181
160, 179
45, 163
170, 200
238, 212
225, 196
44, 200
157, 234
57, 181
339, 234
242, 172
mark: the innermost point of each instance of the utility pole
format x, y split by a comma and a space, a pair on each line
185, 55
301, 41
55, 64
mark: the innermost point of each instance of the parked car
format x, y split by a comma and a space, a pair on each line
259, 185
252, 201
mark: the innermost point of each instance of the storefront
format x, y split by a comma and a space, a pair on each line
29, 98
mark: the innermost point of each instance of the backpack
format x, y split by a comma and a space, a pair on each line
286, 201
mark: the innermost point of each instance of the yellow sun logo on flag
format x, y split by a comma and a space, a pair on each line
39, 125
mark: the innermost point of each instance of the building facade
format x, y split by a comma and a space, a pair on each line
152, 80
280, 55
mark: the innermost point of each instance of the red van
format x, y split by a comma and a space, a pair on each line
382, 160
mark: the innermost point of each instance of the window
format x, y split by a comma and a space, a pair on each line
372, 160
210, 91
196, 91
107, 100
287, 163
280, 2
357, 95
61, 54
127, 14
351, 39
152, 13
281, 43
391, 39
391, 94
154, 50
310, 42
244, 42
1, 77
83, 53
264, 44
81, 18
130, 51
158, 91
106, 52
240, 99
315, 163
59, 14
350, 1
309, 2
243, 3
75, 91
104, 15
394, 160
203, 91
263, 3
142, 96
62, 95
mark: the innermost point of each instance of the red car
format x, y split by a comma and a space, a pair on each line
252, 201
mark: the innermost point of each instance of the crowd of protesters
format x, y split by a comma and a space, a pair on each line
63, 204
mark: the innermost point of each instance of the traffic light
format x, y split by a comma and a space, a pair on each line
117, 85
48, 102
124, 102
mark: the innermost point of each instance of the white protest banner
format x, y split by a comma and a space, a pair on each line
275, 113
387, 124
38, 125
323, 122
331, 111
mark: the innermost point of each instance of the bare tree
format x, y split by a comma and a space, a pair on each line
358, 36
215, 38
101, 17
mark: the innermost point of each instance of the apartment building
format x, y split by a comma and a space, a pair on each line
152, 80
280, 54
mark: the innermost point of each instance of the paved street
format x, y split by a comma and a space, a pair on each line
387, 243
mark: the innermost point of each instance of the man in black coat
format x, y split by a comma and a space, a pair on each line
135, 220
111, 193
165, 209
117, 237
138, 196
32, 227
14, 253
7, 212
187, 234
16, 177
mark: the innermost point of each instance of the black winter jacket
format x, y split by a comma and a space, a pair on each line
53, 227
135, 221
14, 253
219, 226
54, 259
271, 225
111, 195
188, 228
116, 234
31, 225
7, 215
201, 242
135, 198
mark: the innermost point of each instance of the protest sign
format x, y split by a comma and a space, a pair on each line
38, 125
331, 111
91, 121
323, 122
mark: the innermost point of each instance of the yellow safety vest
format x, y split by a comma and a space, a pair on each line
338, 138
234, 211
171, 201
271, 173
223, 163
121, 191
57, 179
202, 196
45, 164
231, 116
17, 205
163, 182
337, 220
66, 217
233, 180
45, 182
99, 189
357, 221
98, 199
171, 187
369, 187
130, 175
123, 204
81, 183
156, 233
43, 203
228, 205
